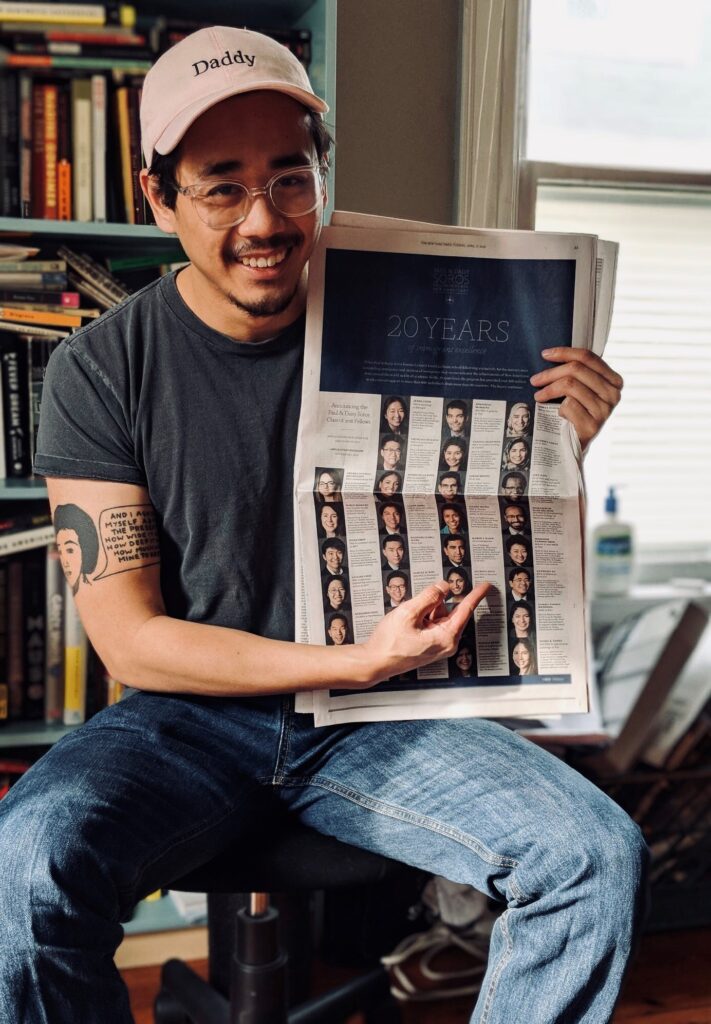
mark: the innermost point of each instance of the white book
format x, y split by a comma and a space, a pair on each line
24, 540
81, 118
98, 141
76, 647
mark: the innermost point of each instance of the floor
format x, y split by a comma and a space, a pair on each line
670, 983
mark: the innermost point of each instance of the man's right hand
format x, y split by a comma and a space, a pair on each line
419, 631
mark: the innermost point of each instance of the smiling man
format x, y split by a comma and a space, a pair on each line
184, 401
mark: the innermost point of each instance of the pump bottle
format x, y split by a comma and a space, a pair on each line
612, 553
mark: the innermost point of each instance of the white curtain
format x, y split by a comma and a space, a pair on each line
492, 87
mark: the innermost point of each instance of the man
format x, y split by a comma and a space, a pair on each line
452, 517
154, 405
448, 485
520, 585
394, 555
515, 519
390, 452
454, 551
456, 415
333, 551
513, 485
337, 629
397, 588
390, 517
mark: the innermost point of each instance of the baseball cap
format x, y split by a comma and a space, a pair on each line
208, 66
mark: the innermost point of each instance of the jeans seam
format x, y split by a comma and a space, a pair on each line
284, 743
499, 969
405, 815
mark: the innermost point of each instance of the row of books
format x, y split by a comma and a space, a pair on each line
41, 302
69, 112
48, 672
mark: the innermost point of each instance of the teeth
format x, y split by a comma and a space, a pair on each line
264, 261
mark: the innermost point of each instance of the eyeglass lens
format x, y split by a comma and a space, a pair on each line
293, 194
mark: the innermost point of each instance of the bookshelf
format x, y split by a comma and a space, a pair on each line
118, 239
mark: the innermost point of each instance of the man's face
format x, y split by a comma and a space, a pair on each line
448, 487
520, 419
452, 519
393, 551
512, 487
397, 590
391, 518
337, 631
519, 554
390, 453
515, 517
454, 550
333, 557
336, 593
455, 420
520, 584
246, 138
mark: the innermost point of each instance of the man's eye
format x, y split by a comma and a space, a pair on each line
223, 190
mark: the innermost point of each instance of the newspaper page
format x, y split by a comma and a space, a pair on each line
422, 454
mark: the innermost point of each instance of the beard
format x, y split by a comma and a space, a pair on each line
270, 305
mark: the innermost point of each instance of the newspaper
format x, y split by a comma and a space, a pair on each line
421, 455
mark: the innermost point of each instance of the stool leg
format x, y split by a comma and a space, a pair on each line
258, 969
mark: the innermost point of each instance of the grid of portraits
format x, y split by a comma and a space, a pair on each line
516, 450
520, 588
331, 531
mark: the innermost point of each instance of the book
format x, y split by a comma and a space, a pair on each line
64, 154
45, 307
33, 635
68, 14
36, 266
25, 540
4, 689
40, 317
54, 645
25, 143
124, 141
16, 252
88, 269
98, 141
49, 198
65, 299
33, 281
15, 401
14, 639
37, 166
12, 327
80, 116
26, 519
9, 151
75, 662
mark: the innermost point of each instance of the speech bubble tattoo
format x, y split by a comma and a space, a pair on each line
129, 537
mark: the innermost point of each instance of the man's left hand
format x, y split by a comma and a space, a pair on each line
590, 389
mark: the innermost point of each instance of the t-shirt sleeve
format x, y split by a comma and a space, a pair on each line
84, 429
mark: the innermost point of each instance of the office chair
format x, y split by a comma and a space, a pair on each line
246, 955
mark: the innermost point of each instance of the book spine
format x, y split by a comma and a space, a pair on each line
15, 407
9, 152
92, 271
75, 662
124, 136
134, 142
65, 14
37, 163
64, 155
14, 638
81, 148
54, 656
36, 266
24, 521
4, 688
25, 540
49, 94
32, 316
33, 625
67, 300
25, 144
98, 138
52, 279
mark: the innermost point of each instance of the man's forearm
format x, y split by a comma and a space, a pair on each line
172, 655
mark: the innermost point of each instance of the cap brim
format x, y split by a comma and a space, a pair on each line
171, 136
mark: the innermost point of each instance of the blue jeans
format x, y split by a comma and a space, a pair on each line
157, 784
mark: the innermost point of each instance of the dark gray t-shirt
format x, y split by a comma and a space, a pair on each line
148, 394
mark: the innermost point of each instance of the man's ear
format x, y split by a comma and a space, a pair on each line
164, 216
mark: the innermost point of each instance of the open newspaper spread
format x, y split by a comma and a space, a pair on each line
422, 455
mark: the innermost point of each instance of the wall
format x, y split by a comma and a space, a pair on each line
396, 107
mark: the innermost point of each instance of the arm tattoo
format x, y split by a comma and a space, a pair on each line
126, 538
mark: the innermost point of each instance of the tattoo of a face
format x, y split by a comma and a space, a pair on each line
127, 536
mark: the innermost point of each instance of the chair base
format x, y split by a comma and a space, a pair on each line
186, 999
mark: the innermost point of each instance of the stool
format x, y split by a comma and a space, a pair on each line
247, 961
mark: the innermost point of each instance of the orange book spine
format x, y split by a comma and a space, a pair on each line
49, 96
33, 316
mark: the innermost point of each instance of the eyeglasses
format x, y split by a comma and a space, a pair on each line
222, 204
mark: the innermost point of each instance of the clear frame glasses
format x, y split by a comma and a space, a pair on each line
223, 204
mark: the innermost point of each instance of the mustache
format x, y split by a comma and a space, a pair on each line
253, 246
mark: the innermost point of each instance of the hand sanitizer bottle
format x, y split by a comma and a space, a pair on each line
612, 553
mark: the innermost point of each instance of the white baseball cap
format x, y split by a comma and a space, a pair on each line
208, 66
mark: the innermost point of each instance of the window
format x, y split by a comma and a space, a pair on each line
619, 144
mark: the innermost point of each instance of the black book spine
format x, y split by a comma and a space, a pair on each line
15, 397
4, 685
34, 607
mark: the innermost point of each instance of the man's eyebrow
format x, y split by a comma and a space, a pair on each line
297, 159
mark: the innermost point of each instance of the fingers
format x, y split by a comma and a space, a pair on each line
569, 376
580, 357
426, 602
458, 618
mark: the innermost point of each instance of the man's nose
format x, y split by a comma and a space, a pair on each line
261, 219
